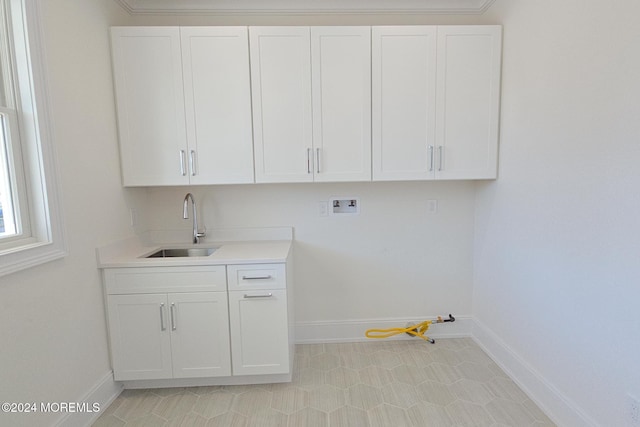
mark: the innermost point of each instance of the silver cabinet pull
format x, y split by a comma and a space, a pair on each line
163, 327
174, 325
308, 160
192, 160
318, 159
439, 157
269, 295
183, 164
431, 158
256, 277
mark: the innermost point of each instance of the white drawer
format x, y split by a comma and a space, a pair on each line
146, 280
256, 276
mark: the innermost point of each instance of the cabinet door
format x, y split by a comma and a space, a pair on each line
404, 99
150, 104
259, 332
140, 341
281, 93
469, 60
199, 325
341, 81
215, 63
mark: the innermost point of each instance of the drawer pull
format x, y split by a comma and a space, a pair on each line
174, 325
269, 295
162, 325
257, 277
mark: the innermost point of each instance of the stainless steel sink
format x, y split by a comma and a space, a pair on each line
181, 252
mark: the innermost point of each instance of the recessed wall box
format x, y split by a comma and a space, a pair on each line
344, 206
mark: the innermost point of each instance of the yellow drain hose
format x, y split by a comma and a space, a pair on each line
416, 330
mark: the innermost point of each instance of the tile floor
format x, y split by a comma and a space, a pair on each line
376, 383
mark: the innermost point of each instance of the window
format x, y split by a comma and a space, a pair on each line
30, 228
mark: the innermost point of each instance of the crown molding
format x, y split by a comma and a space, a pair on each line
304, 7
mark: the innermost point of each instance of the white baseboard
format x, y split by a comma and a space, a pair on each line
103, 393
556, 405
354, 330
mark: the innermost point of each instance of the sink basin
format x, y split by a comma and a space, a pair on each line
181, 252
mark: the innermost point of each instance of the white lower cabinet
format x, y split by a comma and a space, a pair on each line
258, 319
140, 343
199, 334
176, 335
168, 323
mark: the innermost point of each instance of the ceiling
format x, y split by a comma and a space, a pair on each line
297, 7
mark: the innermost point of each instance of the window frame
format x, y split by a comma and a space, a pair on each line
43, 237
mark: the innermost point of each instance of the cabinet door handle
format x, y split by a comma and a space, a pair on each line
318, 159
192, 160
183, 164
163, 327
256, 277
431, 158
269, 295
308, 160
439, 157
174, 318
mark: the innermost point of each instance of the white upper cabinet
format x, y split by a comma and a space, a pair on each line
435, 102
215, 64
184, 105
226, 105
404, 99
281, 90
468, 97
300, 140
150, 104
341, 82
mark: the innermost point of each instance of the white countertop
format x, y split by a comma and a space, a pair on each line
132, 252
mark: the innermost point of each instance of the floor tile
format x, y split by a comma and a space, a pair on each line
465, 414
108, 421
348, 416
342, 377
290, 400
230, 419
188, 420
400, 395
375, 376
471, 391
363, 396
213, 404
252, 402
375, 383
442, 373
426, 414
309, 417
326, 398
509, 412
435, 393
176, 405
268, 418
387, 415
137, 406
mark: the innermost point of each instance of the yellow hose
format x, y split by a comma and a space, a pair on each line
417, 330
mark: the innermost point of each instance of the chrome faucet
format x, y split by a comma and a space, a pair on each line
185, 214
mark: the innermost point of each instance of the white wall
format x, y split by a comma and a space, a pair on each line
393, 260
557, 266
52, 326
556, 248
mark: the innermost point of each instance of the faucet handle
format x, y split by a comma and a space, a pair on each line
202, 233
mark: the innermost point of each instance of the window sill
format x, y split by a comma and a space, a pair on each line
29, 255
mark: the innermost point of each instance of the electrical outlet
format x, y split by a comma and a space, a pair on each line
133, 215
634, 410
